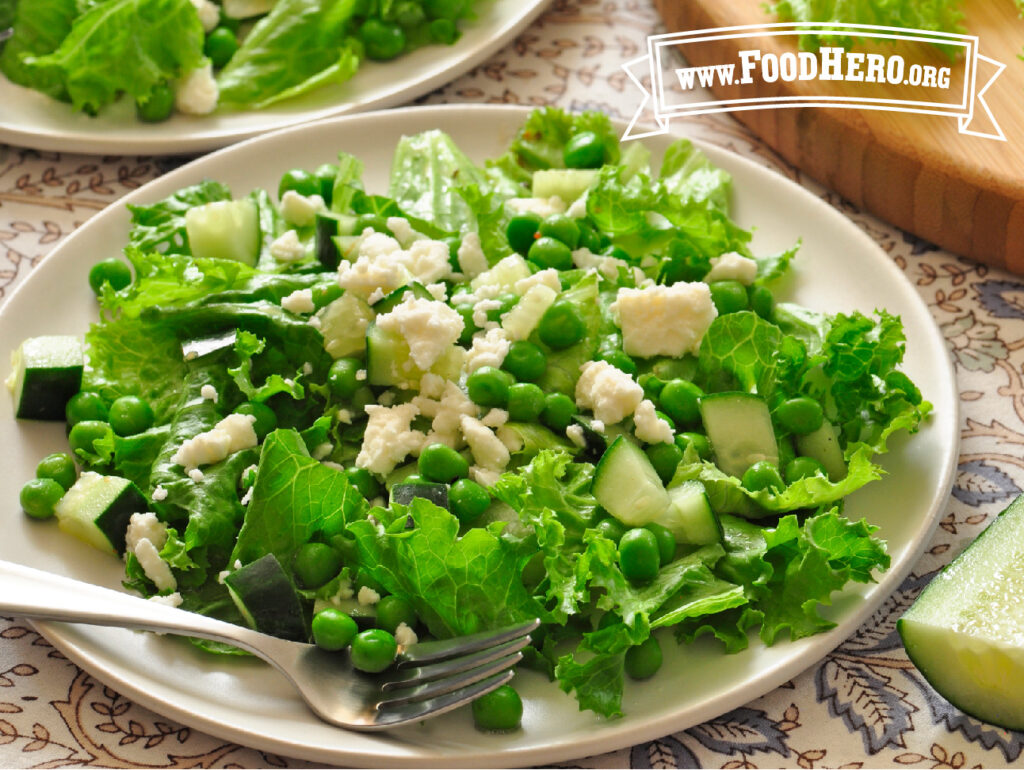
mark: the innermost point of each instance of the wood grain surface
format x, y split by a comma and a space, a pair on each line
918, 172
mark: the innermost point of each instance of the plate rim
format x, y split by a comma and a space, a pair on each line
608, 740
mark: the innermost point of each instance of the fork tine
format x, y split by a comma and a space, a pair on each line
430, 690
413, 712
415, 675
432, 652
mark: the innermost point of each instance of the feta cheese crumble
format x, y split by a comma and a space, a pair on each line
209, 15
367, 596
232, 434
649, 427
299, 301
488, 450
404, 635
429, 327
209, 393
681, 313
301, 210
732, 267
197, 92
389, 437
608, 391
287, 247
145, 526
488, 349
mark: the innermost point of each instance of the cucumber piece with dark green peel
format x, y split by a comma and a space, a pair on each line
404, 494
627, 486
267, 599
965, 632
394, 299
97, 510
327, 227
46, 372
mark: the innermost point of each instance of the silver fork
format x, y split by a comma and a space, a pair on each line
428, 679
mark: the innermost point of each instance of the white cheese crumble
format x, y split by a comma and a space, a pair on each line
389, 437
315, 322
209, 393
145, 526
547, 277
495, 418
649, 427
488, 349
232, 434
287, 247
609, 392
322, 450
405, 636
367, 596
301, 210
381, 263
170, 600
209, 14
472, 259
488, 450
543, 207
429, 327
402, 230
681, 313
156, 569
247, 497
361, 375
196, 475
159, 494
197, 92
575, 434
299, 301
481, 309
485, 477
447, 415
732, 267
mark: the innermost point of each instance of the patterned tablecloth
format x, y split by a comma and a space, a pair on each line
864, 705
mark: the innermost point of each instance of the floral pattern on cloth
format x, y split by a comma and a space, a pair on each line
864, 705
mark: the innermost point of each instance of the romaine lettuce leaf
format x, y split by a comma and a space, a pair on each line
39, 28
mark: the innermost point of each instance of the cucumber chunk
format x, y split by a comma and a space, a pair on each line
689, 516
224, 230
627, 486
343, 325
327, 226
267, 599
394, 299
567, 183
823, 446
97, 510
389, 361
965, 632
739, 427
436, 493
46, 372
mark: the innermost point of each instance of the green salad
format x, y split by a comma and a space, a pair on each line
197, 56
556, 384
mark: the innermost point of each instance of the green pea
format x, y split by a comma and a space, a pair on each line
392, 611
441, 463
561, 325
639, 555
611, 528
665, 458
521, 231
409, 14
666, 541
468, 500
525, 402
373, 650
130, 415
584, 150
39, 497
800, 415
112, 271
333, 629
158, 106
443, 31
325, 295
652, 386
299, 181
762, 475
562, 228
590, 239
507, 302
488, 386
364, 481
315, 564
85, 405
698, 441
680, 400
60, 467
220, 46
558, 411
86, 433
729, 296
382, 41
546, 252
803, 467
444, 9
500, 709
620, 361
342, 377
266, 419
643, 660
762, 301
525, 361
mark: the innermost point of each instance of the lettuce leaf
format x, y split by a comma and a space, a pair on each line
39, 28
160, 226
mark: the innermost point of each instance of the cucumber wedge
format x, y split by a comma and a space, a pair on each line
739, 427
627, 485
965, 632
689, 516
267, 599
46, 372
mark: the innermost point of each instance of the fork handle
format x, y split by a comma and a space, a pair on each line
32, 593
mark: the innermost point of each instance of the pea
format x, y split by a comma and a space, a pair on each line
665, 458
558, 411
762, 301
468, 500
266, 419
409, 14
444, 9
364, 481
392, 611
500, 709
611, 528
373, 650
643, 660
561, 326
800, 415
325, 295
112, 271
325, 175
585, 150
546, 252
315, 564
666, 541
507, 302
762, 475
698, 441
590, 239
59, 467
341, 377
562, 228
639, 555
443, 31
130, 415
488, 386
525, 402
39, 497
333, 629
158, 106
525, 361
680, 400
85, 405
220, 46
299, 181
382, 41
652, 386
620, 361
441, 463
729, 296
84, 435
803, 467
521, 231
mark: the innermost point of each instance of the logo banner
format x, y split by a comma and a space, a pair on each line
905, 79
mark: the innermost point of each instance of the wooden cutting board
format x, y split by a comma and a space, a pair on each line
918, 172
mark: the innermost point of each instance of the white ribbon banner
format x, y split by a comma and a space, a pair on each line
930, 88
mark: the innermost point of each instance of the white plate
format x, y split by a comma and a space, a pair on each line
31, 119
839, 268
